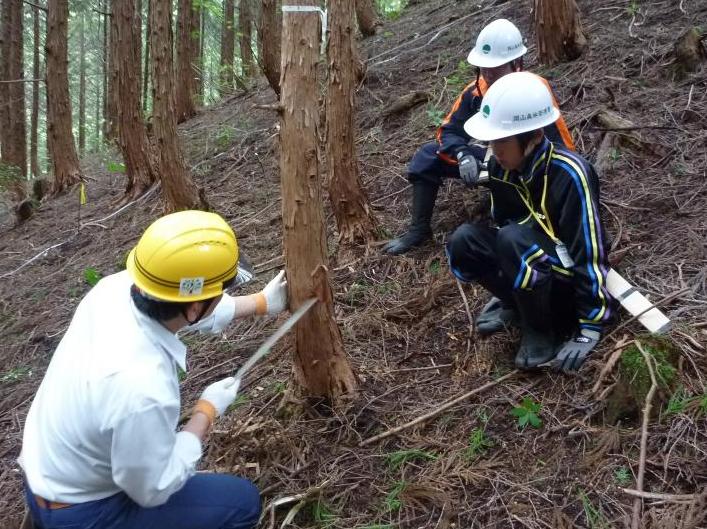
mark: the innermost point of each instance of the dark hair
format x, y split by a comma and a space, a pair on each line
155, 309
524, 139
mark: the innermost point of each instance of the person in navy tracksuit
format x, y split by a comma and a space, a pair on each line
546, 256
498, 51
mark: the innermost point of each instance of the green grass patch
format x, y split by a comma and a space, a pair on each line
393, 502
478, 444
397, 459
91, 276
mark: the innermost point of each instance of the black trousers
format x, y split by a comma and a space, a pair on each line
428, 168
520, 257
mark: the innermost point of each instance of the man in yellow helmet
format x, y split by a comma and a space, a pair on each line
100, 447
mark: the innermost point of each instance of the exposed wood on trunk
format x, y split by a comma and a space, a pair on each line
245, 26
368, 21
179, 190
60, 137
228, 42
354, 218
320, 366
132, 137
270, 38
558, 31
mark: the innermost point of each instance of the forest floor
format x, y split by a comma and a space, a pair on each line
403, 318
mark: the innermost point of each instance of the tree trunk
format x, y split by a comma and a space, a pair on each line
5, 43
245, 25
146, 71
14, 145
82, 86
320, 366
559, 31
34, 136
132, 133
368, 21
228, 39
348, 199
270, 35
180, 192
199, 64
187, 33
65, 162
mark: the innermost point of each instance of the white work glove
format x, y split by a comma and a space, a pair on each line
275, 293
221, 394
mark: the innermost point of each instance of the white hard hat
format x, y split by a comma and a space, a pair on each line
516, 103
498, 43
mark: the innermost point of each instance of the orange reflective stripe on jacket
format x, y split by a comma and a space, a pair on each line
560, 123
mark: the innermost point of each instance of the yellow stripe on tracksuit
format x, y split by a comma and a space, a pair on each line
593, 235
528, 269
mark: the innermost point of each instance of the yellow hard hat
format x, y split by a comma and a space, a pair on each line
185, 256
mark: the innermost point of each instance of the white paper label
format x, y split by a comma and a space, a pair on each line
191, 286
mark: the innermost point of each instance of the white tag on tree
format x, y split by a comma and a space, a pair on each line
191, 286
564, 255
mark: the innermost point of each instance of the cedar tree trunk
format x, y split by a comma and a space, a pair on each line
348, 199
558, 31
180, 192
320, 365
65, 162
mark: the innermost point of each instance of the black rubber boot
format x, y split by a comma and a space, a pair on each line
538, 338
423, 203
499, 313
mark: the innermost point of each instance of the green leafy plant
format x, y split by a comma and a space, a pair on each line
461, 77
527, 413
91, 276
393, 502
478, 444
623, 476
435, 115
391, 9
633, 8
15, 374
181, 374
395, 460
595, 519
115, 167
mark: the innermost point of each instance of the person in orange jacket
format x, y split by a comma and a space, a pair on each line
499, 50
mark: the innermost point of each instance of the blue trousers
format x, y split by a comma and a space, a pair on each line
428, 168
207, 501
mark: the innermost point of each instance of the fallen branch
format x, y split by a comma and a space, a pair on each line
637, 503
406, 102
438, 410
466, 307
40, 254
609, 365
674, 498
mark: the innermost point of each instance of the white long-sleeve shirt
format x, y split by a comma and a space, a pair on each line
105, 416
